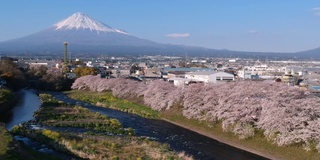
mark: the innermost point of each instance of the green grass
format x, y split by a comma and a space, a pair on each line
24, 153
5, 95
92, 146
5, 139
106, 99
59, 114
89, 144
10, 149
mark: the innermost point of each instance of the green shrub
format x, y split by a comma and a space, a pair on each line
5, 95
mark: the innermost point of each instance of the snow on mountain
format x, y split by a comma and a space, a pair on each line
87, 35
82, 21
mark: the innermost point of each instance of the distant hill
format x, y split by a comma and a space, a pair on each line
86, 35
311, 54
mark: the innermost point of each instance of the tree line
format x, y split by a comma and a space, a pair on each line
19, 75
286, 115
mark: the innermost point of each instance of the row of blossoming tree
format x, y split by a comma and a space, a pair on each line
286, 115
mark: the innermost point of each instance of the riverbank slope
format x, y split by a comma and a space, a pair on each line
90, 135
12, 149
257, 144
7, 100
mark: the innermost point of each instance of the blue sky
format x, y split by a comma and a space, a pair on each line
243, 25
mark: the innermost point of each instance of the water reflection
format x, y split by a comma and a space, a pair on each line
24, 109
179, 139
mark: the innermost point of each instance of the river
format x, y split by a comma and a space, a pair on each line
179, 139
23, 110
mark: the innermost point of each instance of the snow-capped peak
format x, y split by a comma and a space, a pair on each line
82, 21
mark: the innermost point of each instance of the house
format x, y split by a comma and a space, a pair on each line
180, 82
176, 72
290, 78
153, 72
210, 76
120, 72
244, 74
38, 64
143, 65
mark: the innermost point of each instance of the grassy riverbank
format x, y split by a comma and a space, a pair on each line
106, 99
5, 139
11, 149
102, 137
7, 100
58, 114
5, 95
257, 144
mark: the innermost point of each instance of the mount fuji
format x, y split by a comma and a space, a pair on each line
87, 35
83, 33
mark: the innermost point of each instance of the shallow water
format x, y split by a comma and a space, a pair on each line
179, 139
23, 110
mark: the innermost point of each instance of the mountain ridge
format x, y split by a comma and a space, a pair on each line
87, 35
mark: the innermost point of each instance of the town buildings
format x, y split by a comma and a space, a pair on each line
180, 70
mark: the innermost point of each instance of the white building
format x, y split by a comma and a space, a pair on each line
38, 64
180, 82
260, 70
244, 74
209, 76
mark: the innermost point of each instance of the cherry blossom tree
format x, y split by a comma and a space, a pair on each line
161, 95
285, 114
